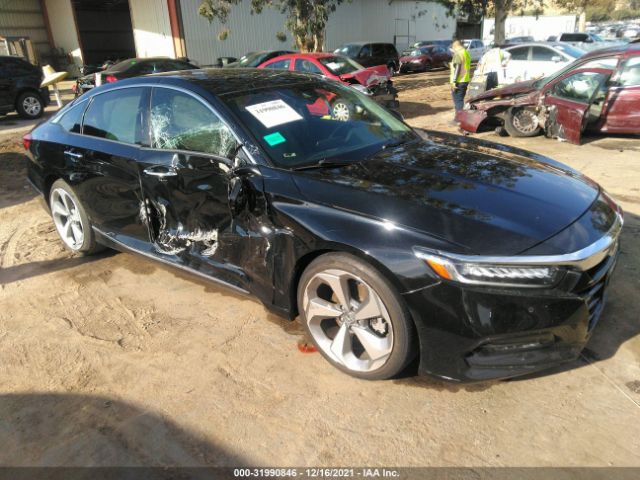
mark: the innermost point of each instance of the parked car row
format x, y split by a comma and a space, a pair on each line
373, 80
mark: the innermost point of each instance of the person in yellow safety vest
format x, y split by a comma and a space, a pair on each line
460, 73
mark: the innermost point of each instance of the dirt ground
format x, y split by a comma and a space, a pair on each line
114, 360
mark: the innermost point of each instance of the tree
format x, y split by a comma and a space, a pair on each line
580, 8
475, 10
306, 19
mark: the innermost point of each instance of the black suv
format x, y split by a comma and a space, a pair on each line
371, 54
20, 88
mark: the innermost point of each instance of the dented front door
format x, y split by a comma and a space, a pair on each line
568, 100
185, 177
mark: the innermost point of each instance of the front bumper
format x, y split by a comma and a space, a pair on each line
385, 94
476, 333
470, 120
410, 67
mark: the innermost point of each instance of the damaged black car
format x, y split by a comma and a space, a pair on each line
477, 260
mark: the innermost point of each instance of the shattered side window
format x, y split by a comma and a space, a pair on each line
182, 122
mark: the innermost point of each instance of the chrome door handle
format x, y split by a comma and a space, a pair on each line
72, 154
160, 171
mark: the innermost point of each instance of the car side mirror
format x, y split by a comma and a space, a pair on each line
556, 58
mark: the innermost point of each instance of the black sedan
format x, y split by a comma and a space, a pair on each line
485, 261
132, 67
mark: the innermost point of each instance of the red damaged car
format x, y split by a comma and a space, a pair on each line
373, 81
598, 92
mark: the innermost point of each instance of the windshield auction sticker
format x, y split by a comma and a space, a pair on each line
274, 113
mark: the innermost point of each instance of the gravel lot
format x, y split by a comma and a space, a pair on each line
114, 360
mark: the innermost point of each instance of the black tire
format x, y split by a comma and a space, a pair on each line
29, 105
427, 67
404, 345
88, 246
520, 121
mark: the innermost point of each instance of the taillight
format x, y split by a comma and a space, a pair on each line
26, 141
110, 79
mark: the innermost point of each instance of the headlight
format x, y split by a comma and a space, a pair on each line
417, 60
482, 273
361, 88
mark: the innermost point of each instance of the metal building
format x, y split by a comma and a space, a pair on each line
24, 18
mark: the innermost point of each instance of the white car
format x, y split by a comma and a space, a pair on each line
535, 60
475, 47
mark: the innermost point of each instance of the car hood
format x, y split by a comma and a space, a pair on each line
483, 198
507, 91
369, 76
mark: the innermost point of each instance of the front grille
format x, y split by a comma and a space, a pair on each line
594, 298
593, 285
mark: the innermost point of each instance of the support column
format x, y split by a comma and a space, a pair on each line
175, 19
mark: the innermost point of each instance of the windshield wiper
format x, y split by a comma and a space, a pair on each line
398, 143
324, 163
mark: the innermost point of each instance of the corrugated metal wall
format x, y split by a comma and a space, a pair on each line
375, 20
24, 18
151, 28
402, 21
247, 33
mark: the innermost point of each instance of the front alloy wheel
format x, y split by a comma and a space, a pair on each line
354, 317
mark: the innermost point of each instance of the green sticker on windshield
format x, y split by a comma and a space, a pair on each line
274, 139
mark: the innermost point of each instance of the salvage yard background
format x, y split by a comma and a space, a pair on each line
115, 360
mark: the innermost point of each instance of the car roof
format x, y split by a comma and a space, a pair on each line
219, 81
537, 44
629, 49
307, 55
359, 44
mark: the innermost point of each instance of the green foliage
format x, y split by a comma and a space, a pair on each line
281, 36
305, 19
500, 9
625, 14
598, 14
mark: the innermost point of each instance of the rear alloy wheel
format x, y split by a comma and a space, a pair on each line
521, 122
354, 317
71, 220
29, 105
